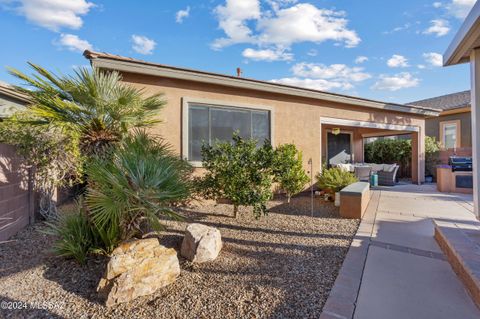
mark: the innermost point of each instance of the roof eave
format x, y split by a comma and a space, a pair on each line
177, 73
463, 43
14, 94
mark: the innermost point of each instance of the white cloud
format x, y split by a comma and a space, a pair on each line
361, 59
312, 52
397, 61
433, 58
73, 43
437, 4
421, 66
324, 77
439, 27
243, 21
333, 71
460, 8
53, 14
182, 14
233, 18
305, 22
397, 29
142, 44
396, 82
315, 84
267, 55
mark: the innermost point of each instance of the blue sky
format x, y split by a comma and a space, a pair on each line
385, 50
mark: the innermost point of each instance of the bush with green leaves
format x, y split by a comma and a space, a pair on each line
334, 179
54, 154
389, 151
432, 150
288, 170
131, 191
76, 236
238, 171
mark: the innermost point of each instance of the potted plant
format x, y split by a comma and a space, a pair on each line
333, 180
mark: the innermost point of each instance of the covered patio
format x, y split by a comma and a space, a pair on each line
343, 141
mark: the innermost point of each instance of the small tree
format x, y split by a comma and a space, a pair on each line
288, 170
334, 179
239, 172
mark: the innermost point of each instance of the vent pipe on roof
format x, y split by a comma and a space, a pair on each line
239, 72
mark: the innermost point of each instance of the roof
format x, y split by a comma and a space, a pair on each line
126, 64
8, 90
446, 102
466, 39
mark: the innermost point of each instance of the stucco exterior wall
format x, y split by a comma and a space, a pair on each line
295, 120
432, 127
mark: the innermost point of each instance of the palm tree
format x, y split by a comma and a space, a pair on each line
94, 103
137, 184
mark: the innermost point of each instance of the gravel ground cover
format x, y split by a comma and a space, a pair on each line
279, 266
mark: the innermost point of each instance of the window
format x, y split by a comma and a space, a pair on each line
450, 134
207, 124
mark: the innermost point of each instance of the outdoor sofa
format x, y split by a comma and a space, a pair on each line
387, 173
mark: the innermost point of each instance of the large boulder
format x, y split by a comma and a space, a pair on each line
201, 243
138, 268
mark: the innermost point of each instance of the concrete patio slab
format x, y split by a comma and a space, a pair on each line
405, 230
400, 285
404, 273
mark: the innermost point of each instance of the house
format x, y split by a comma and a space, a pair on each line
453, 127
10, 100
326, 127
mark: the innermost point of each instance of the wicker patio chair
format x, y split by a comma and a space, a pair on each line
388, 178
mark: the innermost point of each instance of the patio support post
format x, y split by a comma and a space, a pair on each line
418, 157
475, 101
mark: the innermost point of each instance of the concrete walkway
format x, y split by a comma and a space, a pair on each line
405, 274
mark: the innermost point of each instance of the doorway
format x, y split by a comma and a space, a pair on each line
339, 148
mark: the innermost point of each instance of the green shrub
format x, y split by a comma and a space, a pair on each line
432, 149
53, 153
76, 237
334, 179
130, 191
390, 152
239, 172
288, 170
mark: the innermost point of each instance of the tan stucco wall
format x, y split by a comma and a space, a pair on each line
296, 120
432, 126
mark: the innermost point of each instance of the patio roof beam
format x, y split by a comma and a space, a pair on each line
376, 125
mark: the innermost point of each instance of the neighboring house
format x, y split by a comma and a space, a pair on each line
10, 100
326, 127
453, 127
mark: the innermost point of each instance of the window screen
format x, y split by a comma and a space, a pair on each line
208, 124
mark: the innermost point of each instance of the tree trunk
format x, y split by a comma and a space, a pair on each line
235, 211
288, 198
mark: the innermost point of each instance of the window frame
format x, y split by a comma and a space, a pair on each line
458, 133
186, 101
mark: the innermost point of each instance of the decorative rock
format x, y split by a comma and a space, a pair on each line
138, 268
201, 243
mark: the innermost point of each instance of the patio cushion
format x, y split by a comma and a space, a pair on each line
377, 167
345, 167
389, 167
